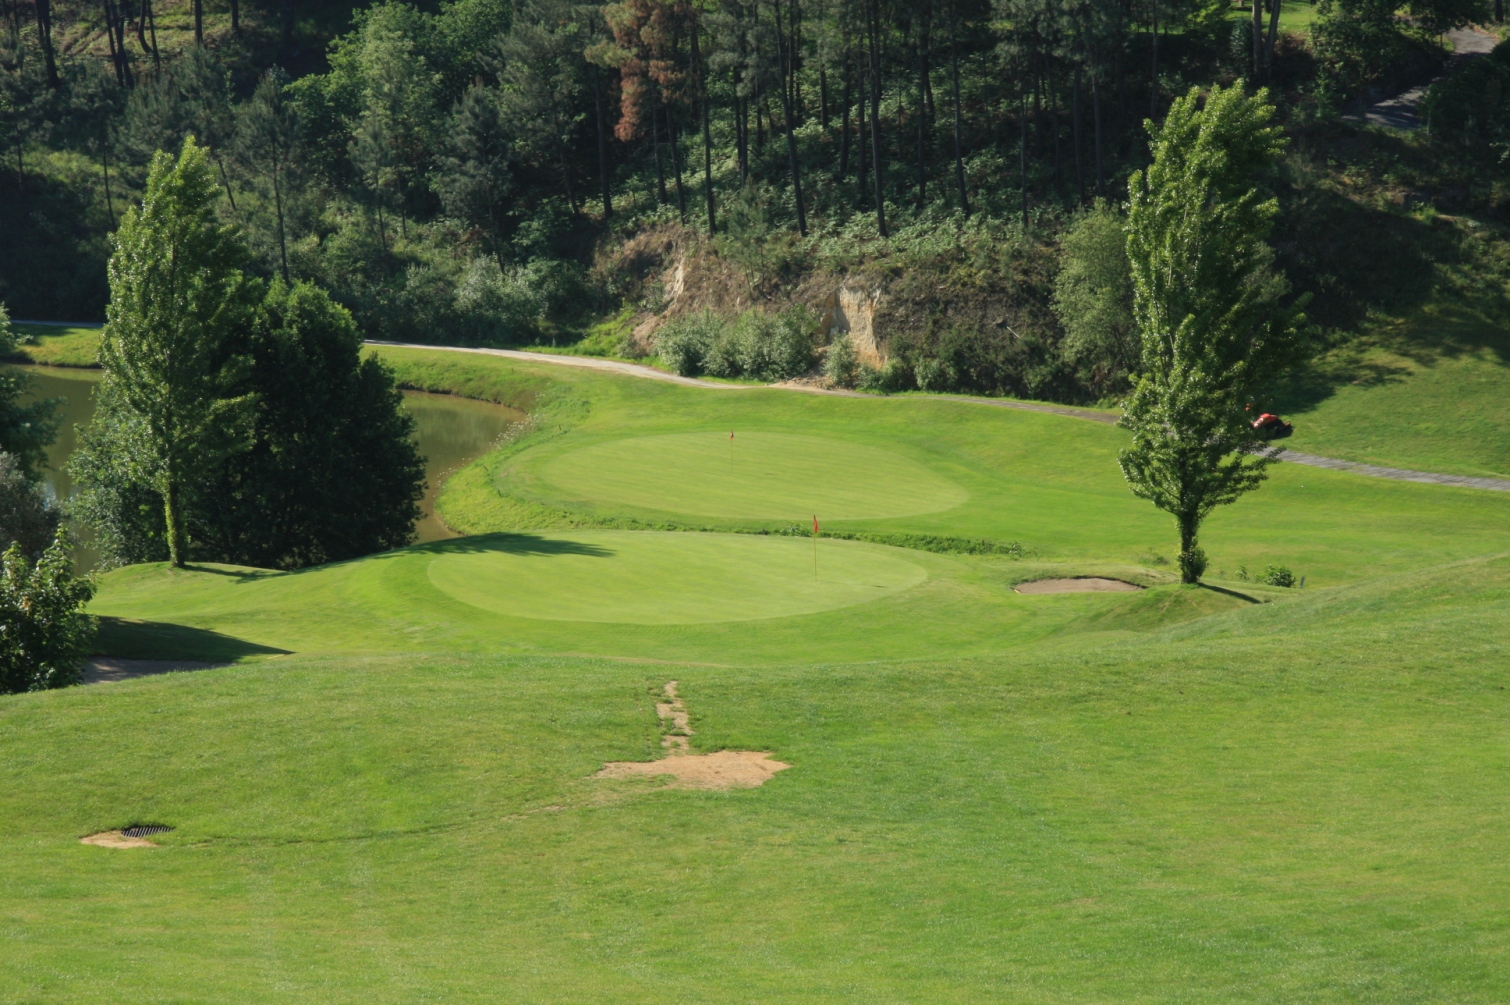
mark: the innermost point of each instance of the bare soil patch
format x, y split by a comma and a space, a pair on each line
1078, 584
115, 839
727, 769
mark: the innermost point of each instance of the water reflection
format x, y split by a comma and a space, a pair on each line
451, 433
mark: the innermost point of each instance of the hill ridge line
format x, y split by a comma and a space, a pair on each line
640, 370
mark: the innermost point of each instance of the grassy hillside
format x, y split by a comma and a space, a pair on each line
1293, 802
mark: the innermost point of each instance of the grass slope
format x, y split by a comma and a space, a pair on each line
56, 346
1300, 801
1044, 481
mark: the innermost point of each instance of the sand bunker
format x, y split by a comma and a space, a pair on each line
1079, 584
115, 839
727, 769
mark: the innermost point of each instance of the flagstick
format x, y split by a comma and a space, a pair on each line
815, 549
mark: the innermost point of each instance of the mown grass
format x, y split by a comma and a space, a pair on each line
57, 346
1048, 483
1300, 801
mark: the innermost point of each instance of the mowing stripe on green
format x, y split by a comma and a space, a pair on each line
757, 475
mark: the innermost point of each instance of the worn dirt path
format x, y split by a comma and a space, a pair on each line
636, 370
1402, 110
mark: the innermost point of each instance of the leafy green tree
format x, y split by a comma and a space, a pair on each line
28, 516
178, 312
333, 472
25, 430
1093, 299
1207, 304
44, 635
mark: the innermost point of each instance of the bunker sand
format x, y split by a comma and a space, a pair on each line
115, 839
1079, 584
726, 769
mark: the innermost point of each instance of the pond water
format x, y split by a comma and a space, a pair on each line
451, 433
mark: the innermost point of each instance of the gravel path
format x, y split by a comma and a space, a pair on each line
1294, 456
1400, 111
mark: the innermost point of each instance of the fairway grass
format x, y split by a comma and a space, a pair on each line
1225, 793
1300, 801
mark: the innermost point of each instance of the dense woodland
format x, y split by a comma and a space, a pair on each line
484, 171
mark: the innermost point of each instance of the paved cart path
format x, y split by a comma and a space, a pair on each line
1402, 110
1109, 418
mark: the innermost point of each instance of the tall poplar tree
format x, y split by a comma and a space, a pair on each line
1206, 301
179, 308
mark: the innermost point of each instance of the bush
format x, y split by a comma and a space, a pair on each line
1278, 575
27, 516
684, 344
935, 375
1093, 298
1471, 108
43, 634
757, 345
842, 364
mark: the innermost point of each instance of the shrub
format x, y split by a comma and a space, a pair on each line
1278, 575
27, 516
684, 344
43, 634
935, 375
895, 376
774, 347
842, 364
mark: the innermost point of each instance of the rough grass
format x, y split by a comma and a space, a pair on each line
1300, 801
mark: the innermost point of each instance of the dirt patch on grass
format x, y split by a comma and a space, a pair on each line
115, 839
1079, 584
726, 769
108, 669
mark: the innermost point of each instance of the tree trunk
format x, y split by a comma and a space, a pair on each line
199, 22
44, 35
1022, 154
288, 24
922, 67
1153, 59
177, 545
874, 30
1075, 129
1273, 34
278, 205
597, 105
959, 146
1192, 560
676, 164
151, 21
844, 121
823, 98
1096, 126
235, 17
1258, 39
702, 87
115, 56
109, 203
862, 175
655, 143
784, 55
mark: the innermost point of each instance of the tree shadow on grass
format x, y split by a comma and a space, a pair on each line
513, 544
128, 638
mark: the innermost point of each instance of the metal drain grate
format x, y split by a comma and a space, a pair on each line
143, 830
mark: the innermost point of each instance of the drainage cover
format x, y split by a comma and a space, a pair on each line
143, 830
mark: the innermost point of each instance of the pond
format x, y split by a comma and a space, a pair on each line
451, 433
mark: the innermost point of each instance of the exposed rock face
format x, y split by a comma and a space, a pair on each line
851, 310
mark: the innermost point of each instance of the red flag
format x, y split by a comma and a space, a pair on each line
815, 526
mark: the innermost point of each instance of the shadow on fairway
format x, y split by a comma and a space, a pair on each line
513, 544
128, 638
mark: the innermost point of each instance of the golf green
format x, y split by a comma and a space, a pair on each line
754, 475
649, 578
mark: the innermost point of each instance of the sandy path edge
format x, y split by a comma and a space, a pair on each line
637, 370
